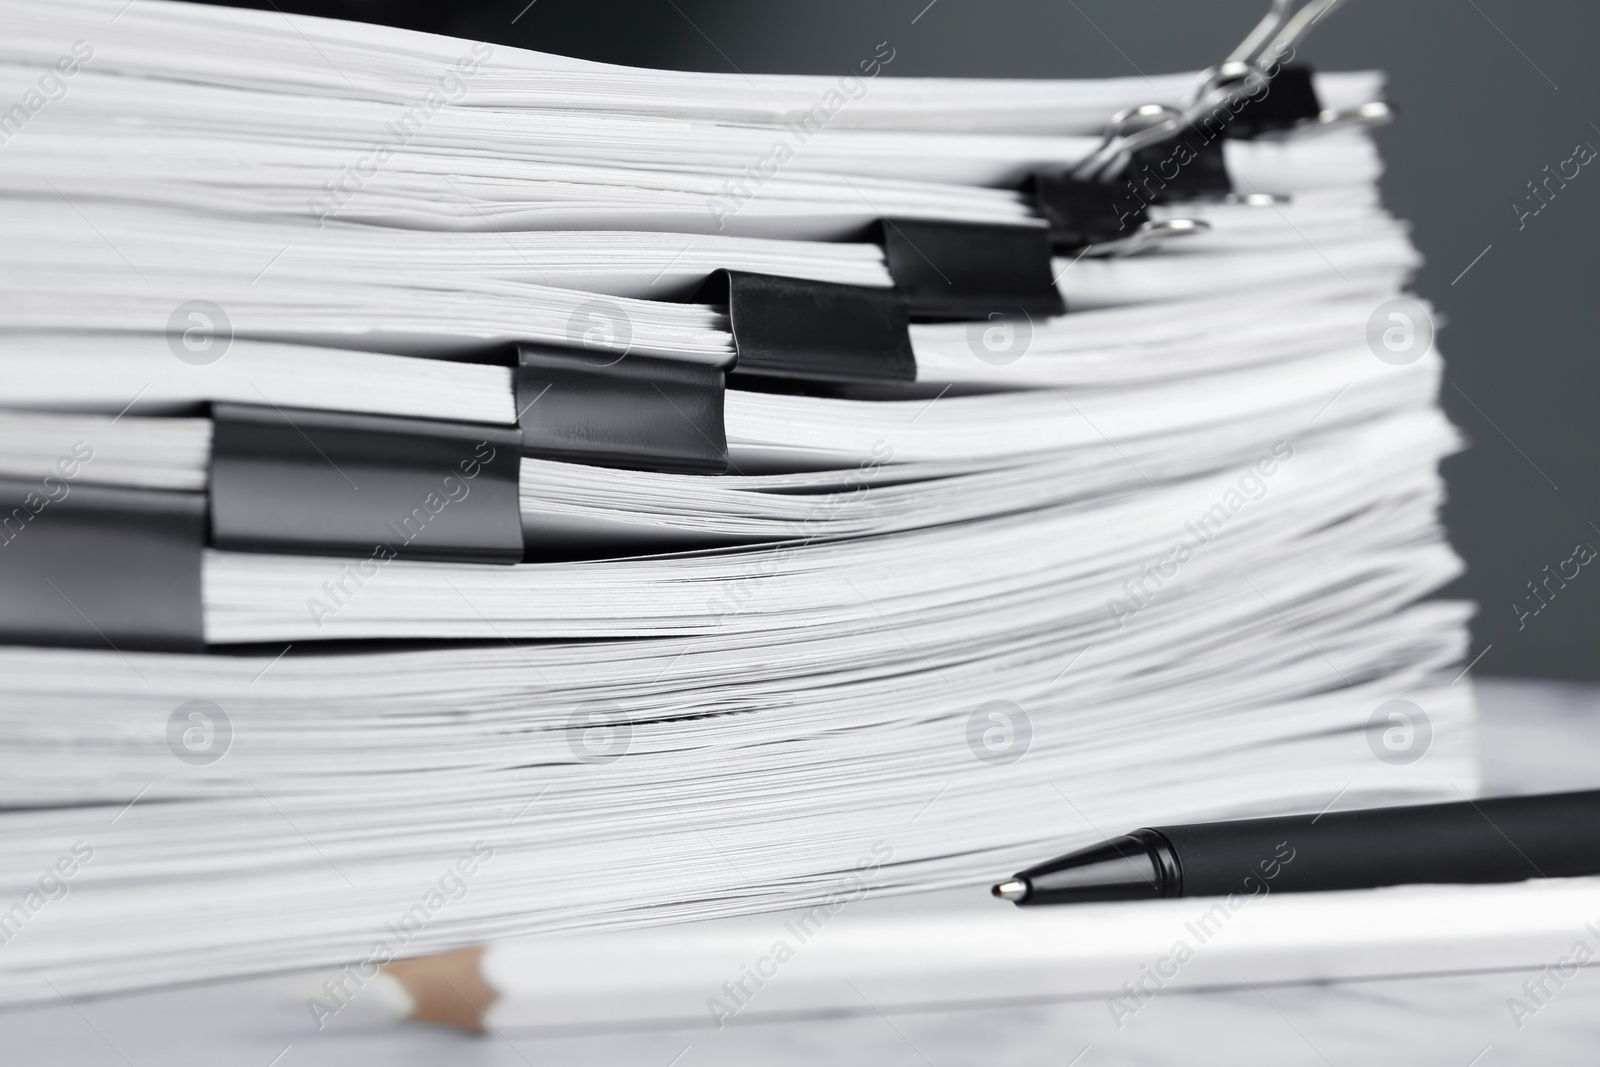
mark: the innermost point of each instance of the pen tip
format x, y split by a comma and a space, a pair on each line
1014, 890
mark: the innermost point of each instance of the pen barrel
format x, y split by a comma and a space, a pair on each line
1507, 839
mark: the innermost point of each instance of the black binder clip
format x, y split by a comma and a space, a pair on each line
1160, 155
341, 484
1083, 213
795, 330
970, 271
1157, 154
1286, 100
630, 411
98, 566
1101, 206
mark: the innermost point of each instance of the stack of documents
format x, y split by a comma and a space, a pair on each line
1151, 542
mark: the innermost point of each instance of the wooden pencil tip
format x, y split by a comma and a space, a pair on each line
446, 989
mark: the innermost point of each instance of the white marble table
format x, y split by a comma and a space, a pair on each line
1536, 737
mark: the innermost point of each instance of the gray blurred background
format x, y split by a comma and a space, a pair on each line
1490, 93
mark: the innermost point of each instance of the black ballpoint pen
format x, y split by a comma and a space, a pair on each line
1502, 839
